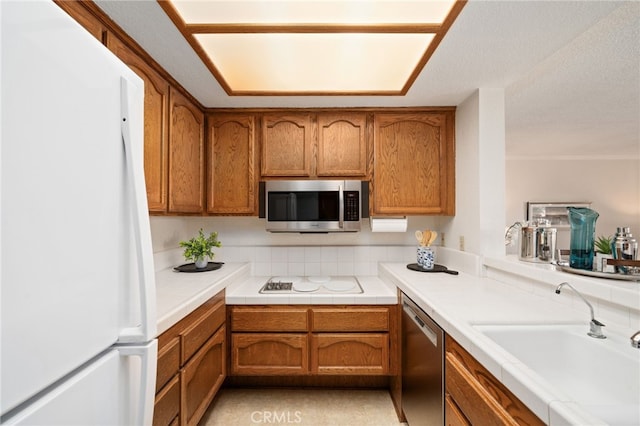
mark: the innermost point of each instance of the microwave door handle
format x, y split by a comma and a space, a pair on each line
292, 206
340, 207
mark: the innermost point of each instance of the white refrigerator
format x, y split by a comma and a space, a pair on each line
77, 291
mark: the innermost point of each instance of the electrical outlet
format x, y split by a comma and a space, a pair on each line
461, 242
442, 239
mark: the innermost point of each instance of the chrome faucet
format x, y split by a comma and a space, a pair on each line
595, 326
635, 340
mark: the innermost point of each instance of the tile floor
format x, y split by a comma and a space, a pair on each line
317, 407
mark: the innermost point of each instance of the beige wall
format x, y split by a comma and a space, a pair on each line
611, 184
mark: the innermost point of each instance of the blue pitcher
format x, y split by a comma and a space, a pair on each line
583, 231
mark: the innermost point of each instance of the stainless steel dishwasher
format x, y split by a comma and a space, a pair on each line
422, 367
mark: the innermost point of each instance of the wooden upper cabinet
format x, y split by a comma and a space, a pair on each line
156, 139
286, 144
231, 181
85, 18
342, 144
186, 155
414, 163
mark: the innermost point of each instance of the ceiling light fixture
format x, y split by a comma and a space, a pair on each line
322, 47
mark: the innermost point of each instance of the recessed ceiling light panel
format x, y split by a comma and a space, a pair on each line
315, 62
299, 47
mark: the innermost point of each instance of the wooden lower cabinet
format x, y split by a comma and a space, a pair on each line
312, 340
350, 353
192, 365
202, 377
475, 397
269, 354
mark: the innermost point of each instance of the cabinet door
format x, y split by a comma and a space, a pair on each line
202, 377
231, 179
266, 354
350, 353
156, 143
286, 144
342, 144
186, 155
413, 164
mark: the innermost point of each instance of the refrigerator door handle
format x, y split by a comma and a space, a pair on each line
148, 355
141, 228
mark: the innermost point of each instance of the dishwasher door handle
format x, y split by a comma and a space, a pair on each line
431, 335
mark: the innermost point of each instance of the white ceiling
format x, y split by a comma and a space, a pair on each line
570, 70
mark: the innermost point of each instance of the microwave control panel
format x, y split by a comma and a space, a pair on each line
351, 206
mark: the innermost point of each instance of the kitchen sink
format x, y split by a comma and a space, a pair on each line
601, 375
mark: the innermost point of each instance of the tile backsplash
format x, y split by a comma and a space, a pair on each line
302, 260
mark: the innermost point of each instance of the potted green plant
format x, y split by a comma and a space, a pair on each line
602, 248
199, 249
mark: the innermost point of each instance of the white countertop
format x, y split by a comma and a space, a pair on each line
179, 293
375, 292
456, 303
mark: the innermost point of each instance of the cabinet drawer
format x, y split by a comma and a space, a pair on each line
474, 401
344, 353
194, 336
478, 394
167, 405
350, 319
452, 414
269, 353
168, 362
267, 318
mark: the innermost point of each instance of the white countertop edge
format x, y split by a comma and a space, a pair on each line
530, 388
235, 273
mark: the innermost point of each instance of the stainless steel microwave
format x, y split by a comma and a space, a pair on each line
313, 205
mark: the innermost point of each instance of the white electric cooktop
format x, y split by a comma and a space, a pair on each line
312, 284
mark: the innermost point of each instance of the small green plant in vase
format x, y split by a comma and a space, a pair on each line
603, 251
199, 249
603, 244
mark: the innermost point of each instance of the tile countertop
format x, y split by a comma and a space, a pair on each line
456, 303
179, 293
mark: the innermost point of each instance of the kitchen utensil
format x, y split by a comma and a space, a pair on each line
426, 236
419, 237
432, 238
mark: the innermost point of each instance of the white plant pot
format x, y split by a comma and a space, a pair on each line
201, 263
